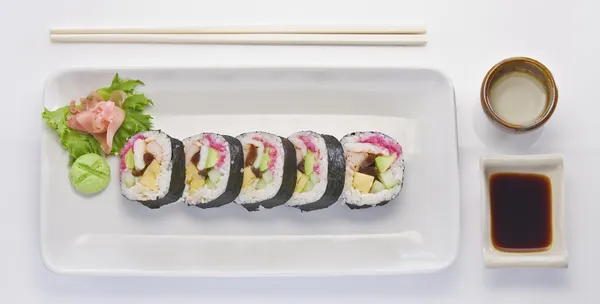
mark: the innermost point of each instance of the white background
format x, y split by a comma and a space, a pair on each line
466, 38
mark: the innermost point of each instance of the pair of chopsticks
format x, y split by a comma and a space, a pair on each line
391, 36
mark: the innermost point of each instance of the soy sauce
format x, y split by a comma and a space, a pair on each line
521, 212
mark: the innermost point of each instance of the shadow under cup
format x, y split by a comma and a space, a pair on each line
519, 65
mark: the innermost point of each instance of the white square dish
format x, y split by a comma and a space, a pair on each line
417, 232
552, 167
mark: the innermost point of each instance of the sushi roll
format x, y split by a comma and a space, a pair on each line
213, 165
320, 170
374, 169
152, 169
269, 173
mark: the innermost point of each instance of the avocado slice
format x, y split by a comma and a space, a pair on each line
377, 187
197, 183
129, 162
212, 158
210, 184
384, 162
150, 176
214, 175
264, 162
248, 177
301, 183
261, 184
154, 168
387, 179
309, 163
190, 172
148, 180
129, 180
314, 178
362, 182
309, 186
268, 177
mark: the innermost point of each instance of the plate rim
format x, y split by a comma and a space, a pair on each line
230, 274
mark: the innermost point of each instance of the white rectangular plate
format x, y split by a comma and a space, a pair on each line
417, 232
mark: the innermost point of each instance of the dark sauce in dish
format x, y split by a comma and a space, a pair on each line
521, 212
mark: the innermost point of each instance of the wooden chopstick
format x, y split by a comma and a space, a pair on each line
266, 39
369, 30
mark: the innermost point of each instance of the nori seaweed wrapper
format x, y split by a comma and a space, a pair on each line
288, 183
177, 183
234, 183
336, 171
354, 206
252, 207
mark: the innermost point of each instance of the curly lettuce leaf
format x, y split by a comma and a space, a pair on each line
56, 120
135, 120
73, 141
127, 85
77, 143
136, 102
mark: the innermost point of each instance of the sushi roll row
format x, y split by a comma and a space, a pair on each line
151, 169
320, 167
375, 169
212, 163
260, 170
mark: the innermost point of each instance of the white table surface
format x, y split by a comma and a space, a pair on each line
466, 38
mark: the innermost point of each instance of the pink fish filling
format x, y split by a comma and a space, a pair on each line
272, 151
309, 144
317, 168
128, 146
313, 148
383, 142
221, 147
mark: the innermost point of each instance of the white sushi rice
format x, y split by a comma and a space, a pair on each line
206, 195
353, 196
250, 195
317, 192
140, 192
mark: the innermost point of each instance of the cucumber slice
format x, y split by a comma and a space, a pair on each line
387, 179
309, 163
210, 184
314, 178
384, 162
248, 177
214, 175
268, 177
377, 187
309, 186
264, 162
129, 162
129, 179
301, 183
261, 184
212, 159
